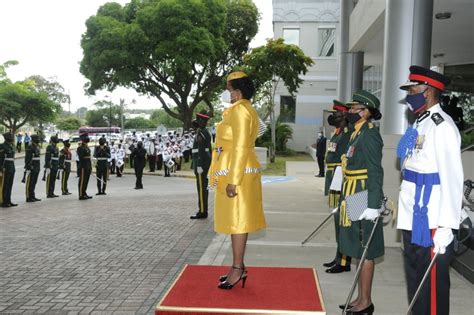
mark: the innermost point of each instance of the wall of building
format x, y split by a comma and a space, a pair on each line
319, 87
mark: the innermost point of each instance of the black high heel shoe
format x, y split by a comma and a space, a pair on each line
369, 310
228, 286
224, 277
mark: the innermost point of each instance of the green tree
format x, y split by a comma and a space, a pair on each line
106, 114
81, 112
283, 133
139, 123
160, 117
179, 48
69, 123
3, 71
270, 64
20, 104
24, 101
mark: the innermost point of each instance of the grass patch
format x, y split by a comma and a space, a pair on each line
279, 167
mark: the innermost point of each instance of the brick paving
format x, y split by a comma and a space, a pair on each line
114, 254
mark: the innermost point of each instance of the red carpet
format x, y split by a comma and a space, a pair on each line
268, 290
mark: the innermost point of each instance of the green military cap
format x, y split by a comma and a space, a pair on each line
340, 106
365, 98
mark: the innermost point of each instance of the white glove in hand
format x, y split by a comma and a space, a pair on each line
442, 238
200, 170
369, 214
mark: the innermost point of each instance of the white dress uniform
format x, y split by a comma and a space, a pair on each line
437, 150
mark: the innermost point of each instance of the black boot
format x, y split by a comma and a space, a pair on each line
199, 215
338, 269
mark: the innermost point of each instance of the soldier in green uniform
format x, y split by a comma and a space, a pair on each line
85, 166
362, 168
336, 148
102, 155
201, 161
65, 159
7, 169
32, 167
51, 165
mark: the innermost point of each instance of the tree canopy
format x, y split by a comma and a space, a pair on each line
181, 49
69, 123
24, 101
270, 64
139, 123
105, 114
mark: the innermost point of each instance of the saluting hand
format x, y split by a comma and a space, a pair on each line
231, 190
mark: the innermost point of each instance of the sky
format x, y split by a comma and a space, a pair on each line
44, 37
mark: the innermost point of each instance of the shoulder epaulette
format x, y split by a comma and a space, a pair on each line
371, 125
437, 118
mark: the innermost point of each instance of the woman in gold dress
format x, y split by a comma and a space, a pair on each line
235, 173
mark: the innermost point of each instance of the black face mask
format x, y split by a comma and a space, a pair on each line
331, 120
353, 117
140, 145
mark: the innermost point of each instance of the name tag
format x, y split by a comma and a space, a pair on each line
332, 147
350, 151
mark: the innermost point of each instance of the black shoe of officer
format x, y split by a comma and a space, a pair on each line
36, 199
98, 194
338, 269
66, 193
199, 215
6, 205
88, 197
330, 264
30, 200
13, 204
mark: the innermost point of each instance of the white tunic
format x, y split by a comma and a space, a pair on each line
438, 150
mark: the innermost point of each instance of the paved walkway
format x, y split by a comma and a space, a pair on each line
117, 254
293, 209
112, 254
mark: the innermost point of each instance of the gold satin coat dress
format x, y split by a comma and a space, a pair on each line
234, 162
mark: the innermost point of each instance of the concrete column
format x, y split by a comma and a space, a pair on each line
351, 65
408, 27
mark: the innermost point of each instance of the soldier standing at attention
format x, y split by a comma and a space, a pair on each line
102, 155
336, 148
362, 167
139, 160
65, 159
7, 169
51, 165
85, 166
33, 167
430, 200
201, 155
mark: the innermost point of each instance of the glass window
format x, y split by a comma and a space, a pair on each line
287, 109
291, 36
326, 40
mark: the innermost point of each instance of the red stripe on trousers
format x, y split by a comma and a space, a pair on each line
433, 280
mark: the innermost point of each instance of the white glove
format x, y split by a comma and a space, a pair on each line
442, 238
369, 214
200, 170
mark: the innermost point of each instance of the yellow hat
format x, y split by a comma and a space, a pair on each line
236, 75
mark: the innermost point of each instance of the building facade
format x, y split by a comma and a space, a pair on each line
313, 25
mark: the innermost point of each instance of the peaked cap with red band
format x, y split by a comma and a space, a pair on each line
419, 75
203, 115
340, 106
